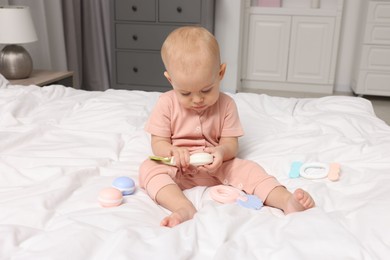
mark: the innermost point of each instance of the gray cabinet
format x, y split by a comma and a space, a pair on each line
139, 28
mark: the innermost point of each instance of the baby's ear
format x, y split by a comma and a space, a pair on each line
222, 70
167, 76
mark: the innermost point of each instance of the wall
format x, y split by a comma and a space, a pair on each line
348, 38
227, 30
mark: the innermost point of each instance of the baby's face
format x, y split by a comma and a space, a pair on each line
198, 90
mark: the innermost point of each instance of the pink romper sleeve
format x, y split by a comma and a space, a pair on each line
231, 120
160, 118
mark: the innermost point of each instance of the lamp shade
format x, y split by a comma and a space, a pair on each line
16, 25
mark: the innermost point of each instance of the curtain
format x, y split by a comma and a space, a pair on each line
87, 41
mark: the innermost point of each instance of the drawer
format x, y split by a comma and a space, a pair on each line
377, 34
135, 10
375, 82
147, 37
180, 11
376, 58
378, 12
140, 68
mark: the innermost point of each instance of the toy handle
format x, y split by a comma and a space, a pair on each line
198, 159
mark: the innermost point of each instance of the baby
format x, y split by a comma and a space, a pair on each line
196, 117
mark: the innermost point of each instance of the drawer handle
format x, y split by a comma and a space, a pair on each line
135, 69
179, 9
134, 8
135, 37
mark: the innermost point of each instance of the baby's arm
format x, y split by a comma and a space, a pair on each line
226, 150
162, 146
228, 147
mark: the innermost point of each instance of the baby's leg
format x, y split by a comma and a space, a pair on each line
289, 202
172, 198
158, 180
253, 179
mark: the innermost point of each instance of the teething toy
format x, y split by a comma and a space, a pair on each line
334, 172
110, 197
228, 194
294, 171
315, 170
196, 159
250, 202
124, 184
225, 194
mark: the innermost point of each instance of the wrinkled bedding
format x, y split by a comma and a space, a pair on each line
60, 146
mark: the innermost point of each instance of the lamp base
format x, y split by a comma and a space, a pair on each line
15, 62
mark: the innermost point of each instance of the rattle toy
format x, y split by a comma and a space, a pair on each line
113, 196
315, 170
228, 194
110, 197
124, 184
196, 159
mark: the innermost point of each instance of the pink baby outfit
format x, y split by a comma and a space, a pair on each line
196, 131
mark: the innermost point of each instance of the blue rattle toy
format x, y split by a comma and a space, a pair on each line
124, 184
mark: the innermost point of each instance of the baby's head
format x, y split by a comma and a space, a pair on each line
193, 67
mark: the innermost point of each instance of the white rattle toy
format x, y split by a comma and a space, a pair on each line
196, 159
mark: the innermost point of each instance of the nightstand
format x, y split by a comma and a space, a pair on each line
46, 77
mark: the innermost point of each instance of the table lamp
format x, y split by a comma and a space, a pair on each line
16, 27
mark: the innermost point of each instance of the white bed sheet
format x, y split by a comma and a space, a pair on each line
60, 146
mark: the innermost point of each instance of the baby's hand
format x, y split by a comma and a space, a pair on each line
218, 159
182, 157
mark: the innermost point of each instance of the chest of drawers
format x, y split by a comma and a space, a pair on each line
139, 27
372, 71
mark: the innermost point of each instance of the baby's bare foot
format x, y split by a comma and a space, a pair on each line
178, 217
300, 200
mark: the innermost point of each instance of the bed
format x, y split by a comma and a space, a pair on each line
61, 146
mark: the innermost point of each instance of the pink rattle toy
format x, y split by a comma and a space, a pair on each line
110, 197
228, 194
